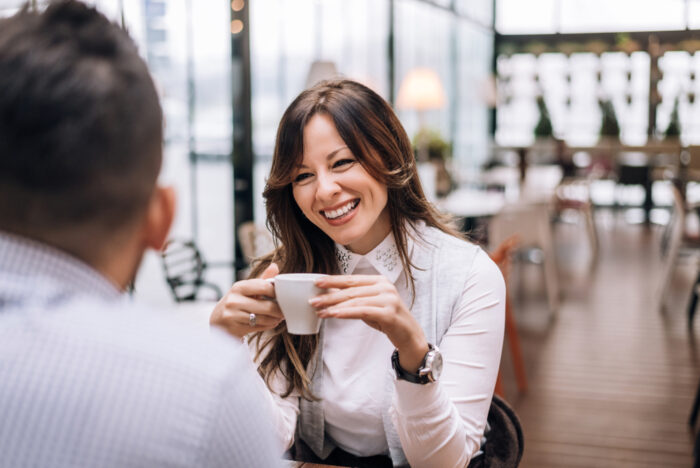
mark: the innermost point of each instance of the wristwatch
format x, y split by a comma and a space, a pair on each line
429, 370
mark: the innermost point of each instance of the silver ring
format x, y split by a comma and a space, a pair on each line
252, 320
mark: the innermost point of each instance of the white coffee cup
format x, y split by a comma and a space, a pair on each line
293, 291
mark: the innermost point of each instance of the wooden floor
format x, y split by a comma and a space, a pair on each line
611, 380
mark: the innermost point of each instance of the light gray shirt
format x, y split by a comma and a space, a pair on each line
89, 379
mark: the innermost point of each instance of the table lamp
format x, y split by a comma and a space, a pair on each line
321, 70
421, 90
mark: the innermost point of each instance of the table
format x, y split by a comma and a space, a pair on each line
611, 153
474, 206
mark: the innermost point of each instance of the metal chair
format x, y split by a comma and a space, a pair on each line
184, 269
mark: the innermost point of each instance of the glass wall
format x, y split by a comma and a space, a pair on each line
187, 45
568, 16
572, 77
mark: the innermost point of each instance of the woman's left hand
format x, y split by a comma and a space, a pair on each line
374, 300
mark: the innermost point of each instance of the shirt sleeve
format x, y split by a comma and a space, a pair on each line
285, 411
441, 424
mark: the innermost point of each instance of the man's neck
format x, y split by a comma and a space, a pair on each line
117, 257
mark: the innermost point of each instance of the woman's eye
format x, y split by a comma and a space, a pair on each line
343, 162
301, 177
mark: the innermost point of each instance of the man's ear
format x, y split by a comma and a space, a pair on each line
159, 217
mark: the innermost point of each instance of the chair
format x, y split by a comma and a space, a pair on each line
504, 438
501, 256
503, 447
574, 194
255, 240
530, 222
184, 269
671, 243
635, 169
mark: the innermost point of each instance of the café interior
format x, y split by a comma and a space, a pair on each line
568, 126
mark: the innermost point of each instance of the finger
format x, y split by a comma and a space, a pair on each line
271, 271
347, 281
353, 312
342, 295
242, 318
252, 305
254, 287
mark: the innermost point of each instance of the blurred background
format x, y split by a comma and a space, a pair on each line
571, 125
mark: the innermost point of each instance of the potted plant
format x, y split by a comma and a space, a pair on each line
609, 127
543, 129
545, 145
430, 143
673, 131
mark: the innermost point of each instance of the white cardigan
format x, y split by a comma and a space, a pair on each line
459, 303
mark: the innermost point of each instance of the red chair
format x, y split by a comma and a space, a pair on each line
501, 256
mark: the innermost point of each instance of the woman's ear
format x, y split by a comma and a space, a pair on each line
159, 217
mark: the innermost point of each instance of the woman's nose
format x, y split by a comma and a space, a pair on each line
327, 187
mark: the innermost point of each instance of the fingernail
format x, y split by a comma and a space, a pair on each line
314, 301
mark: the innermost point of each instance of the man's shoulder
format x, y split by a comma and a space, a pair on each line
125, 331
144, 384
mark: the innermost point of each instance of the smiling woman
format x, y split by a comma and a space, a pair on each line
403, 293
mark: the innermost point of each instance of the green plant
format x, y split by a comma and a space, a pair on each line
543, 129
436, 147
608, 126
674, 126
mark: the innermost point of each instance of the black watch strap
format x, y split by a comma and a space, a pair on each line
403, 374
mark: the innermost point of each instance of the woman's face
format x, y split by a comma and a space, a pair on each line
336, 193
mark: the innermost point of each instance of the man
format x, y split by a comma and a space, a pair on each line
87, 378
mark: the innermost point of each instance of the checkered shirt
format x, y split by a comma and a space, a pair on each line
90, 379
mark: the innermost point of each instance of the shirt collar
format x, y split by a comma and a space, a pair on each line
384, 258
41, 267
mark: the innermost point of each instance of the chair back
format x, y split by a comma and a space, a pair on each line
671, 241
255, 240
184, 269
530, 222
504, 438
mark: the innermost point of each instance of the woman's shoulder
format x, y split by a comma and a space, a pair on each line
435, 238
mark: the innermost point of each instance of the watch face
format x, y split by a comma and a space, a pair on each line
437, 365
433, 364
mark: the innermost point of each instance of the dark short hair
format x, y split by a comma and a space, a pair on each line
80, 122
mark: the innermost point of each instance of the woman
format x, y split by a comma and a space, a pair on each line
344, 198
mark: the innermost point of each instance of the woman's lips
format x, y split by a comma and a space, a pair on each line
344, 216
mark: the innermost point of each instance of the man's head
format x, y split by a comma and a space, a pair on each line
80, 129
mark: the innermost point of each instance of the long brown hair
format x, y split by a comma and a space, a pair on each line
375, 136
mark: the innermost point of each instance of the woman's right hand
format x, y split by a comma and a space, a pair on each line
246, 297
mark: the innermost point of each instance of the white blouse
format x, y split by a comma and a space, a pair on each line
439, 424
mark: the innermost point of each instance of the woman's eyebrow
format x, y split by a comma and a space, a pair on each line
328, 156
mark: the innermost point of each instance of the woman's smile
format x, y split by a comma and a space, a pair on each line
337, 216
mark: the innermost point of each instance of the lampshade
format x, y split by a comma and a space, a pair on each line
321, 70
421, 89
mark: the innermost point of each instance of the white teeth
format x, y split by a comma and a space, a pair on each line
332, 214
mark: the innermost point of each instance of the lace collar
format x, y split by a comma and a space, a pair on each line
384, 258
